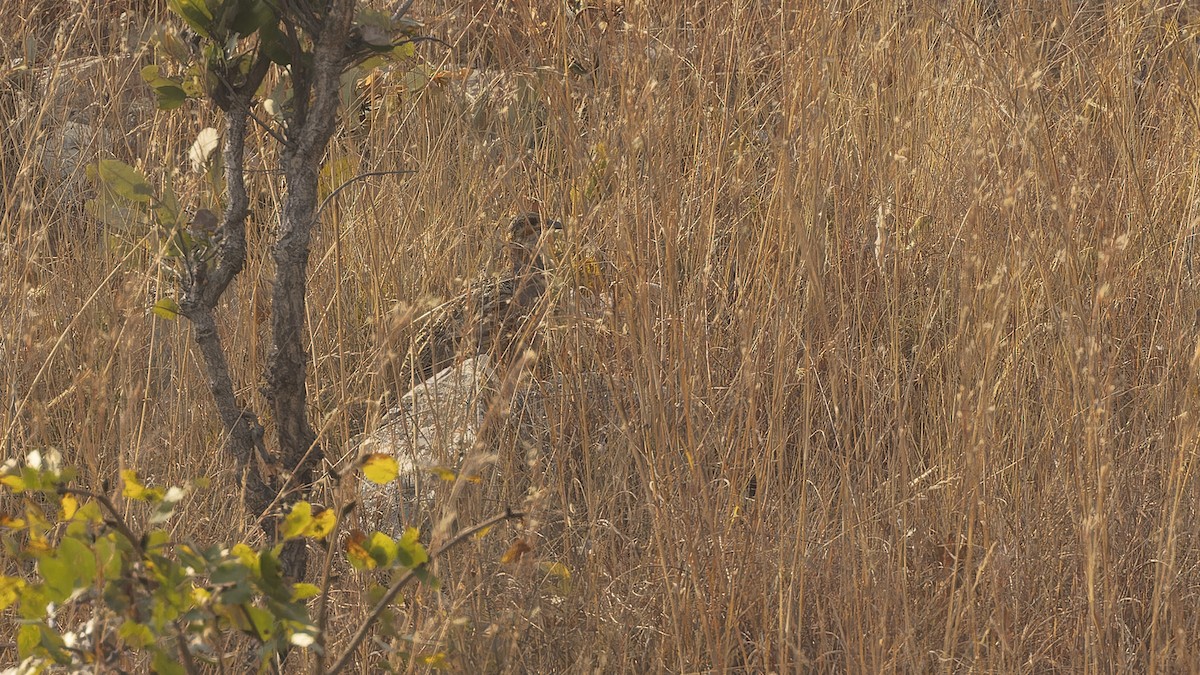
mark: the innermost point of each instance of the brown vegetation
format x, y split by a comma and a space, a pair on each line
900, 357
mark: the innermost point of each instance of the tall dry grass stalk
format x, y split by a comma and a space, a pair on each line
899, 372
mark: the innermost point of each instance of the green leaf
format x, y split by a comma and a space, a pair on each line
252, 15
262, 622
59, 578
196, 13
80, 558
274, 43
33, 603
168, 209
198, 81
124, 180
166, 308
164, 663
108, 554
426, 576
382, 549
135, 634
168, 41
116, 216
168, 91
156, 540
272, 581
404, 50
28, 638
410, 553
380, 468
169, 96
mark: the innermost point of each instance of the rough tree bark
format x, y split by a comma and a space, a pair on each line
269, 481
317, 96
203, 289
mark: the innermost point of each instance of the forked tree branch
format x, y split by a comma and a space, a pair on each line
203, 289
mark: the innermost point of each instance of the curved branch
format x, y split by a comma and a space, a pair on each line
325, 202
408, 576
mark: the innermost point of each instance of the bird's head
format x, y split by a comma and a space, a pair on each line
526, 229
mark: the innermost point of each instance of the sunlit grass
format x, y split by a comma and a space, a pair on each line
791, 443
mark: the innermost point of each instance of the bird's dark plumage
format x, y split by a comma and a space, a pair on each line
492, 317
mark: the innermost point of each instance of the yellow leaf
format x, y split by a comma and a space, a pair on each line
335, 174
443, 473
304, 591
201, 596
11, 523
380, 468
13, 481
321, 525
555, 569
69, 506
297, 521
38, 545
166, 308
133, 488
436, 661
560, 573
10, 588
247, 556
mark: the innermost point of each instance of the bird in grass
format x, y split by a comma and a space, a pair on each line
492, 317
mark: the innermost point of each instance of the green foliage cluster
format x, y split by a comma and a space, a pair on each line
174, 601
224, 57
232, 33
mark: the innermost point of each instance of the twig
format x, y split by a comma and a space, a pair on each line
270, 131
323, 608
400, 583
184, 654
117, 520
403, 9
343, 186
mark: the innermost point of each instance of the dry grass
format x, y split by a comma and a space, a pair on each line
974, 451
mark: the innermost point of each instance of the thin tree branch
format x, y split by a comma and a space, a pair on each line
205, 285
118, 520
402, 10
343, 186
408, 576
326, 574
270, 131
185, 654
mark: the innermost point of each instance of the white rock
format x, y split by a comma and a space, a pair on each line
435, 424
